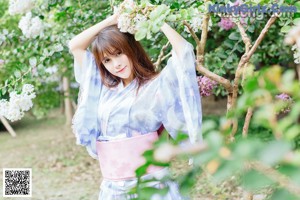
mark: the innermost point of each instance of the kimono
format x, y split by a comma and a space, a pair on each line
171, 99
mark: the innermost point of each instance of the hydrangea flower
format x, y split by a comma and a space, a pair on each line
206, 85
296, 54
20, 6
14, 109
125, 25
286, 98
226, 23
31, 27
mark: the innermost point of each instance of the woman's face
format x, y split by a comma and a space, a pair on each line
119, 65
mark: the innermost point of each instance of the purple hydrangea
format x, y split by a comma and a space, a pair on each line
226, 23
238, 3
206, 85
286, 98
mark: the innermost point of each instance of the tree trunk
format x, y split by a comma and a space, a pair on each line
7, 126
67, 101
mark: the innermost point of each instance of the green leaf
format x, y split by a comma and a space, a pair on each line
147, 192
228, 44
240, 48
227, 169
214, 139
155, 28
140, 34
297, 4
4, 90
292, 172
253, 180
285, 29
274, 151
208, 125
171, 18
180, 137
251, 28
234, 36
296, 21
17, 74
32, 61
292, 132
281, 194
158, 11
247, 149
141, 170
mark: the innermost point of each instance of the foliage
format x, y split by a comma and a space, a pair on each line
42, 60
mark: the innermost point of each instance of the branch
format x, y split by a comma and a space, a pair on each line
200, 51
166, 56
166, 152
244, 35
246, 57
192, 32
223, 81
161, 54
247, 121
274, 175
261, 37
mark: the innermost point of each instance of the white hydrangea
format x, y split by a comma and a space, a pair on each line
31, 27
13, 113
139, 18
196, 24
124, 24
27, 89
296, 50
3, 106
20, 6
51, 70
58, 47
14, 109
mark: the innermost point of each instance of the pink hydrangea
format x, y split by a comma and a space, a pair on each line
226, 23
205, 85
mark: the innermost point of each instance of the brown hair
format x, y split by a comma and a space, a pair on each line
110, 39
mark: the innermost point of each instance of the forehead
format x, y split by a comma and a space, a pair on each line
106, 52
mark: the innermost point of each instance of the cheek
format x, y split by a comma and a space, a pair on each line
108, 68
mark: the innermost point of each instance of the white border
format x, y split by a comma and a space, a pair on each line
18, 169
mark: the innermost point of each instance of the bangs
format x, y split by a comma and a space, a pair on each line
107, 47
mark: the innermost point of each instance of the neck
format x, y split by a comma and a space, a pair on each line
127, 80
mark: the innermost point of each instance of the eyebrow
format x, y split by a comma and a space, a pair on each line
114, 52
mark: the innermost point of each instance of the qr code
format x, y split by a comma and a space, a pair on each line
17, 182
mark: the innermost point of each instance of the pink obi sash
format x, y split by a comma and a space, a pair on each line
120, 158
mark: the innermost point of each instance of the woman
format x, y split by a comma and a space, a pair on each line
123, 102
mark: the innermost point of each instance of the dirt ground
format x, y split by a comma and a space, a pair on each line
62, 170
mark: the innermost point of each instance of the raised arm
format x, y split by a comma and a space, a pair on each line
176, 40
80, 42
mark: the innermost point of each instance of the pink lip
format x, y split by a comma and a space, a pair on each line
121, 69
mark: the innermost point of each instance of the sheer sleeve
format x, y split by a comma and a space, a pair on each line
84, 123
79, 71
181, 108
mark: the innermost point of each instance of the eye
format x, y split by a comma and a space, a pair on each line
106, 60
118, 53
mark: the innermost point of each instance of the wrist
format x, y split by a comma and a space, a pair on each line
112, 20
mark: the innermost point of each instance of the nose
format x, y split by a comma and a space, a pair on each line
117, 64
